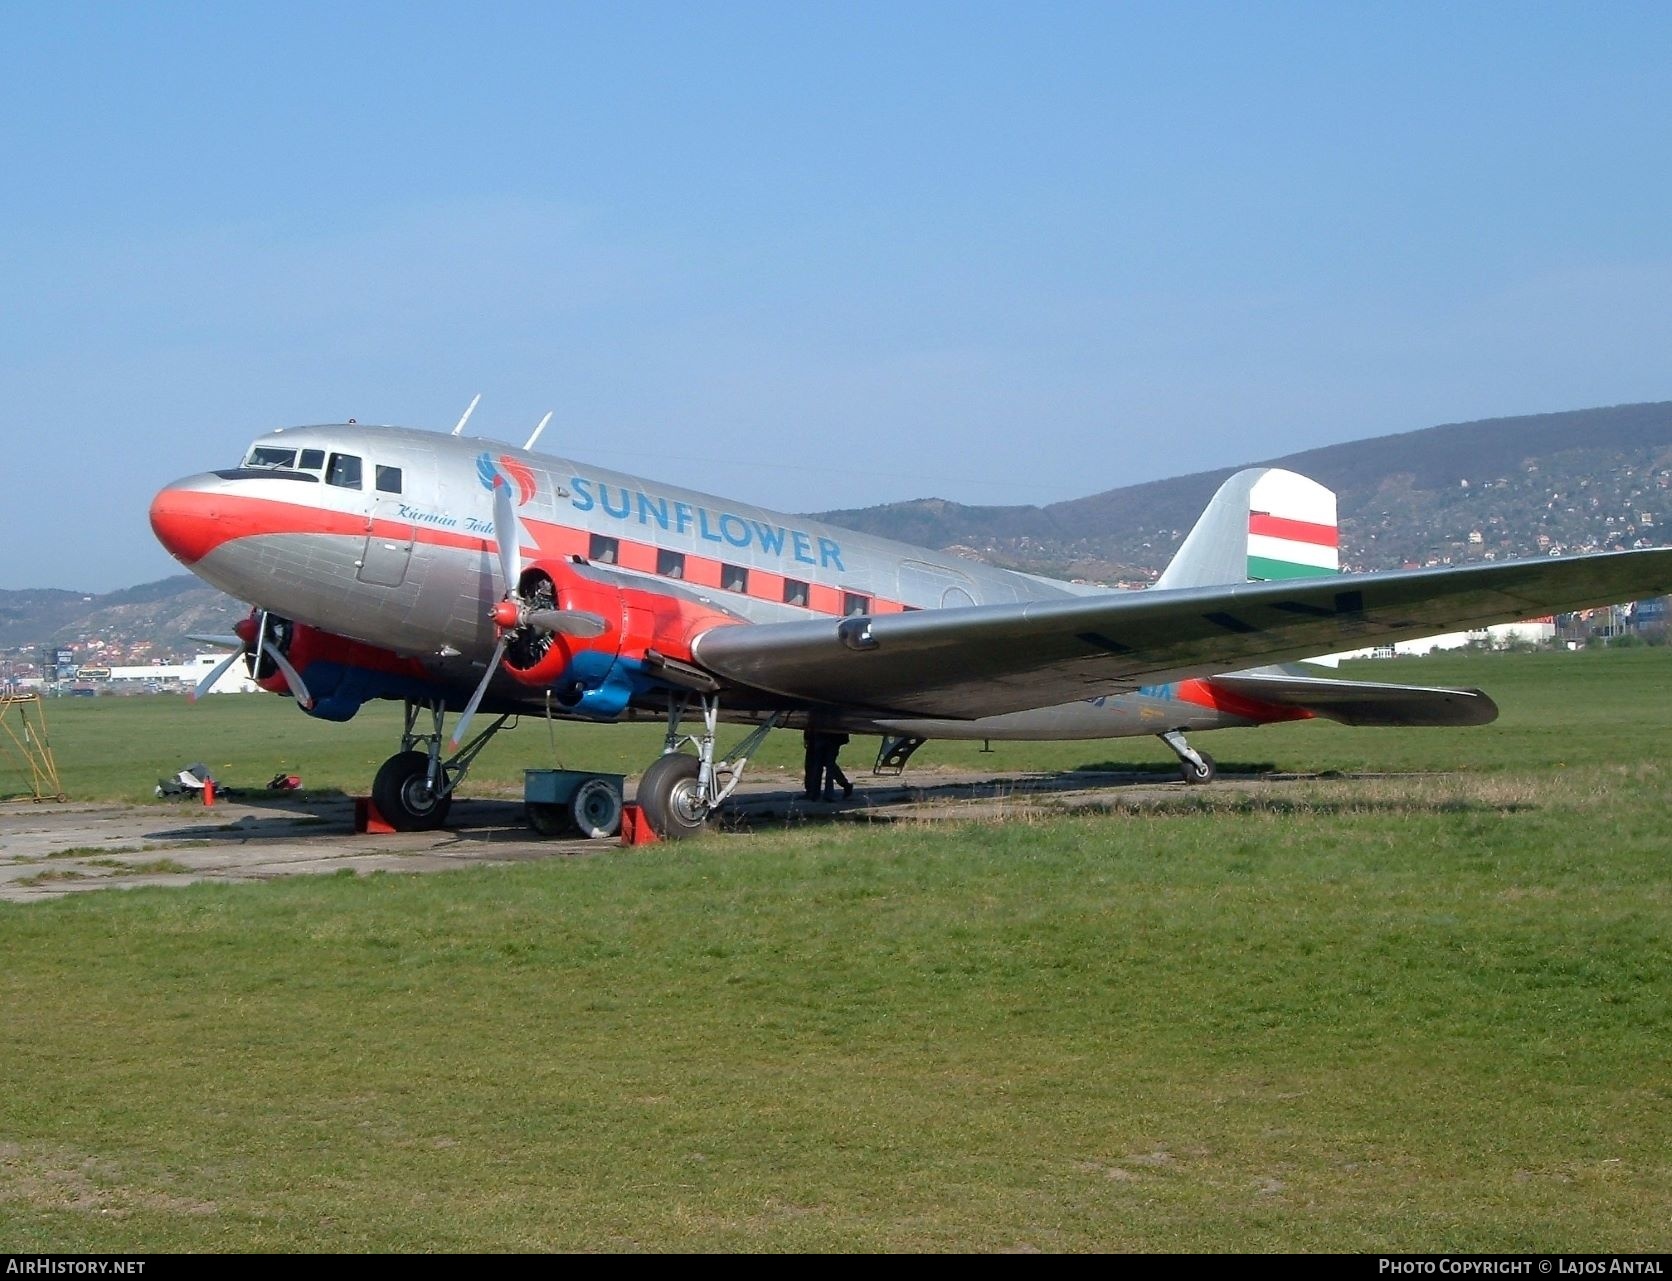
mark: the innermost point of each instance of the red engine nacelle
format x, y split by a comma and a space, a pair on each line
544, 659
601, 672
304, 646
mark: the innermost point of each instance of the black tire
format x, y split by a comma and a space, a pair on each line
595, 810
668, 796
403, 798
1206, 774
550, 820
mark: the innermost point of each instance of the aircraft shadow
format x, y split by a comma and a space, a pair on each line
1243, 787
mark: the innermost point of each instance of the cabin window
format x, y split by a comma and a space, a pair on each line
853, 603
344, 471
606, 551
795, 592
734, 578
270, 456
388, 479
313, 460
670, 564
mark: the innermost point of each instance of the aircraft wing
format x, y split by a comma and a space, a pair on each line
989, 659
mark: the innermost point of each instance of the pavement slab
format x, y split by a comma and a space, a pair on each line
51, 849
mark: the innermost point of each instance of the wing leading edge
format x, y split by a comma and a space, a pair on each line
989, 659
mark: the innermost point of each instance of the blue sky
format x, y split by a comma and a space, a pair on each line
811, 255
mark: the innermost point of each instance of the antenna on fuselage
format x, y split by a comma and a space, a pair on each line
539, 429
467, 414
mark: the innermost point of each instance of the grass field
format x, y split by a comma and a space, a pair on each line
1428, 1011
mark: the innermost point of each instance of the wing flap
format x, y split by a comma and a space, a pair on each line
989, 659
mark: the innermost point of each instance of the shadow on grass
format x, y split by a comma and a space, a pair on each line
1314, 807
1245, 788
1164, 770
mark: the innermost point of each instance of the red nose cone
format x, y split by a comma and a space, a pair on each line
187, 522
506, 614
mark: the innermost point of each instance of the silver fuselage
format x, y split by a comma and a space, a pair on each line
405, 560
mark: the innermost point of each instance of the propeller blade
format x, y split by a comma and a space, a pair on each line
463, 722
292, 677
215, 673
507, 535
235, 642
567, 622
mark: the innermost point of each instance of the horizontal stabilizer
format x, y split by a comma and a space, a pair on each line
1365, 702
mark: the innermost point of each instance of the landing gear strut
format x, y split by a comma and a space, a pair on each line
894, 751
414, 787
679, 791
1194, 766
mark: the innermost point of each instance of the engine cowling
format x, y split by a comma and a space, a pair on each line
598, 676
566, 665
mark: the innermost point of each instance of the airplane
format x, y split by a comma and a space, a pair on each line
462, 575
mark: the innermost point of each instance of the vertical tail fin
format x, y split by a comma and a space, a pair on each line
1264, 523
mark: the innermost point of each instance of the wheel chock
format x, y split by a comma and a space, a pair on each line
635, 827
368, 818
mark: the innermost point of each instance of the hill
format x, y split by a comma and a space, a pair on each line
134, 625
1528, 486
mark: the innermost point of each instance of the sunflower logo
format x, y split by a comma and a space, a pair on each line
508, 471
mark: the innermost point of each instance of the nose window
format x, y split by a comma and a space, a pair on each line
270, 456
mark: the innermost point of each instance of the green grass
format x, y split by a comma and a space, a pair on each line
1422, 1012
117, 748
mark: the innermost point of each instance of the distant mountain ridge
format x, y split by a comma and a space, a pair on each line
140, 623
1402, 499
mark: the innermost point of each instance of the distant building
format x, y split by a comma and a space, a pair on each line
1650, 613
235, 680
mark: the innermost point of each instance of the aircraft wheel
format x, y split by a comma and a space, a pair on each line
668, 795
1206, 774
550, 820
402, 796
596, 809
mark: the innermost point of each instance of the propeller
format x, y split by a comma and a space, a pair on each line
513, 614
263, 646
215, 672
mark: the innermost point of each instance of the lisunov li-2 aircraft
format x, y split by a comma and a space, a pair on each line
464, 576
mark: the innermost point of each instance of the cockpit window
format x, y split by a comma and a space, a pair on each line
344, 471
388, 479
313, 460
271, 456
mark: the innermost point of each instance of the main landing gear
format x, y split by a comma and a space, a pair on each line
414, 788
680, 791
1194, 766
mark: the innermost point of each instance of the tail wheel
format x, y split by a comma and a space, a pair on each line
671, 798
1205, 773
402, 794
